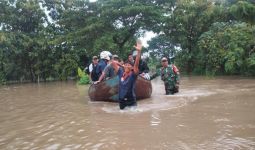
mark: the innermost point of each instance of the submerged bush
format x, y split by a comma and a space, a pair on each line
84, 78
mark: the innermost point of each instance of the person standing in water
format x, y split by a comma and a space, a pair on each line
92, 69
127, 79
170, 75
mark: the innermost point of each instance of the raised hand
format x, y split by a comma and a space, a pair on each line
138, 45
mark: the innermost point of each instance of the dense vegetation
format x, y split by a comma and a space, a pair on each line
50, 39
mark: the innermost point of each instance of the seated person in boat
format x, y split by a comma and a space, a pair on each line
127, 79
170, 75
143, 67
109, 71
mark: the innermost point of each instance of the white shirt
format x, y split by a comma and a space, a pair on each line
90, 68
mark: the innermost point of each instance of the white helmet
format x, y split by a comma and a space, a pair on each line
109, 54
105, 55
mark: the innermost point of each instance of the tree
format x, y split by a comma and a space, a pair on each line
186, 23
160, 46
22, 22
36, 44
244, 11
227, 48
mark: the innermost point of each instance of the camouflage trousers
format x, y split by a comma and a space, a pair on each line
171, 88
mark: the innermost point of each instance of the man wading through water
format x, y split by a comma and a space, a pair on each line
127, 79
170, 75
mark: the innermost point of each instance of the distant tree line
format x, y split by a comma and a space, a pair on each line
50, 39
209, 37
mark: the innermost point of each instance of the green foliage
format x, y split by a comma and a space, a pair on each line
251, 64
251, 61
161, 46
80, 73
186, 23
204, 37
226, 48
84, 78
65, 66
153, 64
2, 78
244, 11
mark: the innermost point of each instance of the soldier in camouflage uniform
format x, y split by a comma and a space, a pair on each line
170, 75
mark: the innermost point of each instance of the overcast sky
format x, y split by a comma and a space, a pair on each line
147, 37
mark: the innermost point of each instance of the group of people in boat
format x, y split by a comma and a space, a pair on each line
110, 65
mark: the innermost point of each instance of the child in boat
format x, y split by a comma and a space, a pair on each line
127, 79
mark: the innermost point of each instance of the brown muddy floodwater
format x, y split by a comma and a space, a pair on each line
206, 114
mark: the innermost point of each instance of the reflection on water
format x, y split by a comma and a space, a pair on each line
206, 114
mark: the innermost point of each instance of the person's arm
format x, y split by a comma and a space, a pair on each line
90, 79
138, 47
101, 77
104, 73
116, 65
177, 74
155, 75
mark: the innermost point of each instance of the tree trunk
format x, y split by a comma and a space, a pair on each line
38, 79
32, 74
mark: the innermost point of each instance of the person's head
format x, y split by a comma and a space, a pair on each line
130, 57
164, 62
128, 67
115, 58
121, 62
95, 60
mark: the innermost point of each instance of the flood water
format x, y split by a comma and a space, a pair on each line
207, 114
